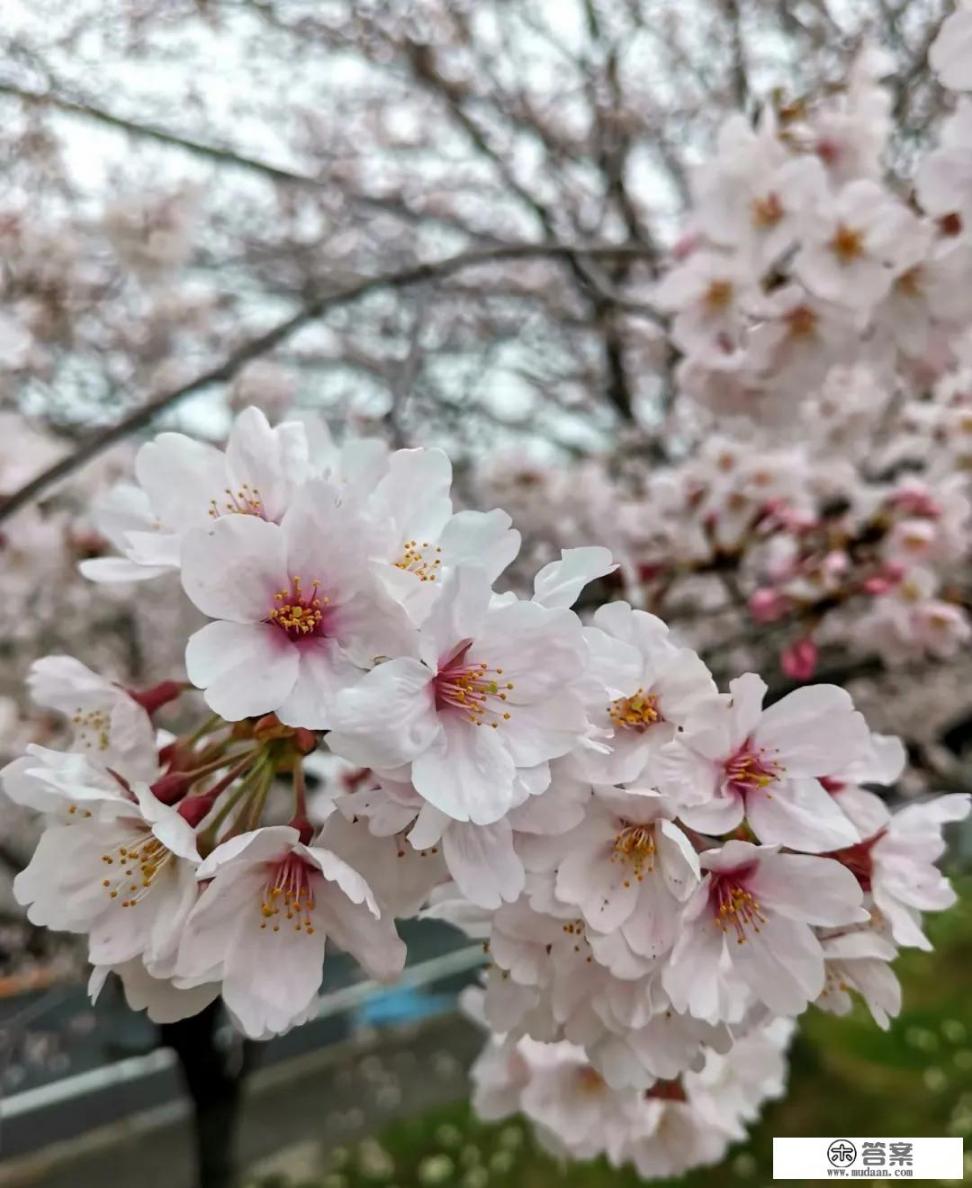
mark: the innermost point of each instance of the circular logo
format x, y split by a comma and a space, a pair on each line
841, 1152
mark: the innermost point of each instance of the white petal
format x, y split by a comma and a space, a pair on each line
467, 772
118, 569
372, 942
718, 815
800, 814
159, 998
323, 674
481, 538
747, 693
814, 730
351, 884
458, 614
181, 476
249, 849
388, 717
270, 977
483, 862
428, 829
782, 964
803, 887
605, 891
245, 668
413, 495
233, 569
559, 584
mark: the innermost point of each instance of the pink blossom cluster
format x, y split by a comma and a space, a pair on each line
810, 476
664, 875
662, 1131
811, 295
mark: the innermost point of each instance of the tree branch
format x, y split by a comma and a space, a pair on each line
229, 157
150, 132
317, 306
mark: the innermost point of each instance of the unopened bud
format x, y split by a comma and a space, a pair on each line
303, 827
305, 740
799, 660
153, 699
196, 808
767, 605
171, 787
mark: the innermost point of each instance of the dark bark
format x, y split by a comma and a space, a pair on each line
214, 1074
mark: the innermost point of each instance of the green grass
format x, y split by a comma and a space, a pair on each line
847, 1077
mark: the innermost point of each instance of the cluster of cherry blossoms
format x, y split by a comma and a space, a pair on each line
664, 875
810, 480
811, 295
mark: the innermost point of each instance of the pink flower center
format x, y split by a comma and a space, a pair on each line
589, 1080
859, 860
472, 687
750, 770
288, 894
733, 904
245, 501
666, 1091
299, 612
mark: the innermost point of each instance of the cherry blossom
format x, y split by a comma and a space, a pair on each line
858, 959
493, 692
129, 882
643, 687
748, 924
628, 869
185, 484
852, 243
261, 924
296, 608
951, 53
735, 760
896, 865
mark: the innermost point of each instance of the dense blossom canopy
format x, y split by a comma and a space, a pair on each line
547, 739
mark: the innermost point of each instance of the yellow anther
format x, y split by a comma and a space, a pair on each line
637, 712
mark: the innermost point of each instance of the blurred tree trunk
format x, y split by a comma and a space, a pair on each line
214, 1075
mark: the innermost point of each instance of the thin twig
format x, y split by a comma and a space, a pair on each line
223, 372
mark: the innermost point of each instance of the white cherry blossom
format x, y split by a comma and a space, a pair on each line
851, 243
297, 609
128, 881
736, 761
185, 484
750, 921
493, 693
262, 922
643, 686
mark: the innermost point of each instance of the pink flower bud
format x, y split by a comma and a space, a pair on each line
153, 699
172, 786
194, 808
799, 660
767, 605
880, 583
835, 562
